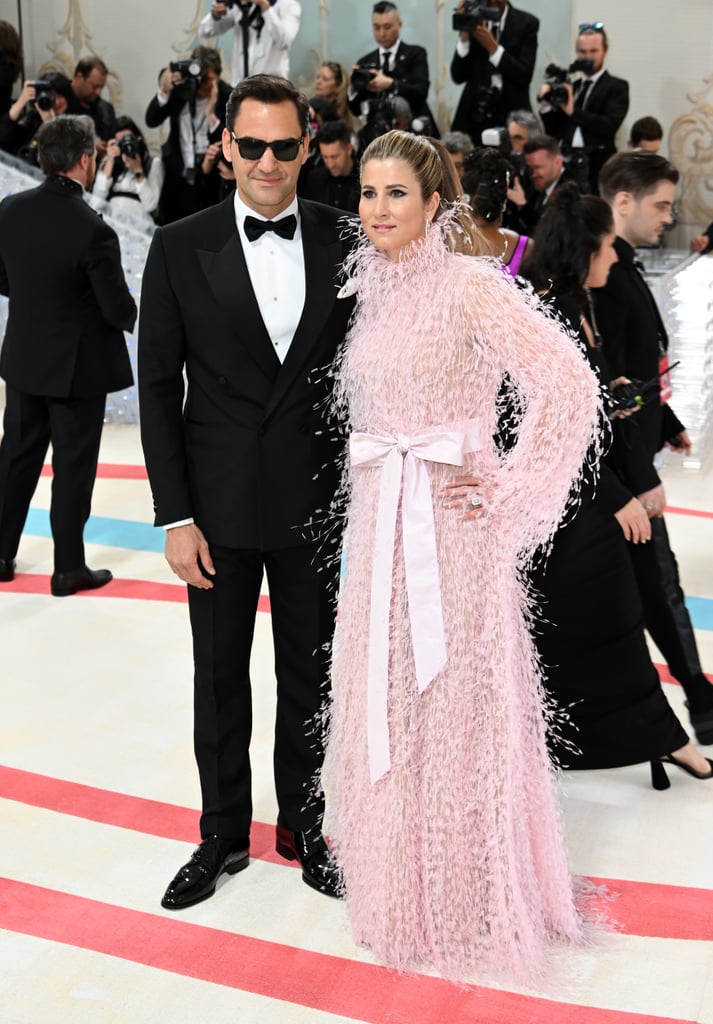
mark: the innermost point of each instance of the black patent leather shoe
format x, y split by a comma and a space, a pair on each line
319, 867
197, 879
7, 570
63, 584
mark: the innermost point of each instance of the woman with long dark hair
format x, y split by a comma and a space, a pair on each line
590, 637
130, 179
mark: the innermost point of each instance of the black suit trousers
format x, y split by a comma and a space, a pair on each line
302, 599
665, 614
74, 427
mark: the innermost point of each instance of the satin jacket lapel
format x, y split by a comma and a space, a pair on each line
227, 275
322, 254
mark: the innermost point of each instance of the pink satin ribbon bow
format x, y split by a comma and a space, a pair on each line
402, 460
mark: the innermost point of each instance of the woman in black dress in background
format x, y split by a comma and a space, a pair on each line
591, 637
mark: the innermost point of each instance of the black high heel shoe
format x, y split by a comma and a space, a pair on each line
659, 778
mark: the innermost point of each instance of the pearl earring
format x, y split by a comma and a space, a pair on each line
428, 228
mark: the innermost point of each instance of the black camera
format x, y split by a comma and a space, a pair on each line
361, 77
555, 77
188, 68
129, 146
44, 94
472, 15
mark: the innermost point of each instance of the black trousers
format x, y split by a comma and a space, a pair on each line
665, 614
74, 427
302, 599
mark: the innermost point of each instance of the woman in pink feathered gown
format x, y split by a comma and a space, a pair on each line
442, 802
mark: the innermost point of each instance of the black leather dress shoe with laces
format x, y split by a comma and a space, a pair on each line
7, 570
197, 879
319, 867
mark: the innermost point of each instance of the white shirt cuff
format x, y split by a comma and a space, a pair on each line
463, 47
181, 522
496, 57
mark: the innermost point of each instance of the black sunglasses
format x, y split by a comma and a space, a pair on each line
283, 150
597, 26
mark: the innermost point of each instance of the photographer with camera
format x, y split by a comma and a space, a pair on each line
89, 79
193, 97
130, 179
334, 181
585, 113
494, 60
39, 101
394, 69
264, 32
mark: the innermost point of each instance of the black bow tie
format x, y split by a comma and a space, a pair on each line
285, 227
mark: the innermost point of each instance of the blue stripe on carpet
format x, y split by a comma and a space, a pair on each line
125, 533
113, 533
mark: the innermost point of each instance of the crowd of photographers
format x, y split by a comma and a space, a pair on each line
569, 136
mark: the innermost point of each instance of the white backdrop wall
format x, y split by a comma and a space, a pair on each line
666, 54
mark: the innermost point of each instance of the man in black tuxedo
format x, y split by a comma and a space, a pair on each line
194, 105
243, 299
64, 348
587, 123
495, 62
546, 170
397, 69
88, 82
640, 188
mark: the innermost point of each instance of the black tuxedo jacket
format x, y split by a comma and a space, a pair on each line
519, 40
607, 105
252, 455
60, 265
633, 337
156, 114
411, 80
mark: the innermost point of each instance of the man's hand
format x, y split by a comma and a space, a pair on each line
516, 193
634, 521
680, 443
218, 10
264, 5
26, 96
485, 38
380, 82
567, 107
699, 243
654, 502
188, 555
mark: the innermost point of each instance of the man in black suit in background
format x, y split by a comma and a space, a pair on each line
243, 298
495, 64
64, 348
397, 68
587, 123
640, 188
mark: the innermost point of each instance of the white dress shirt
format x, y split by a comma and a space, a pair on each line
268, 50
578, 138
277, 273
463, 47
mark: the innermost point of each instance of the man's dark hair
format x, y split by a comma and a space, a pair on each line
63, 141
88, 64
333, 131
268, 89
646, 129
636, 172
209, 58
545, 142
383, 7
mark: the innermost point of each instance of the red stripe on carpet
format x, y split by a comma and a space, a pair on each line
697, 512
666, 677
138, 590
325, 983
641, 908
111, 471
